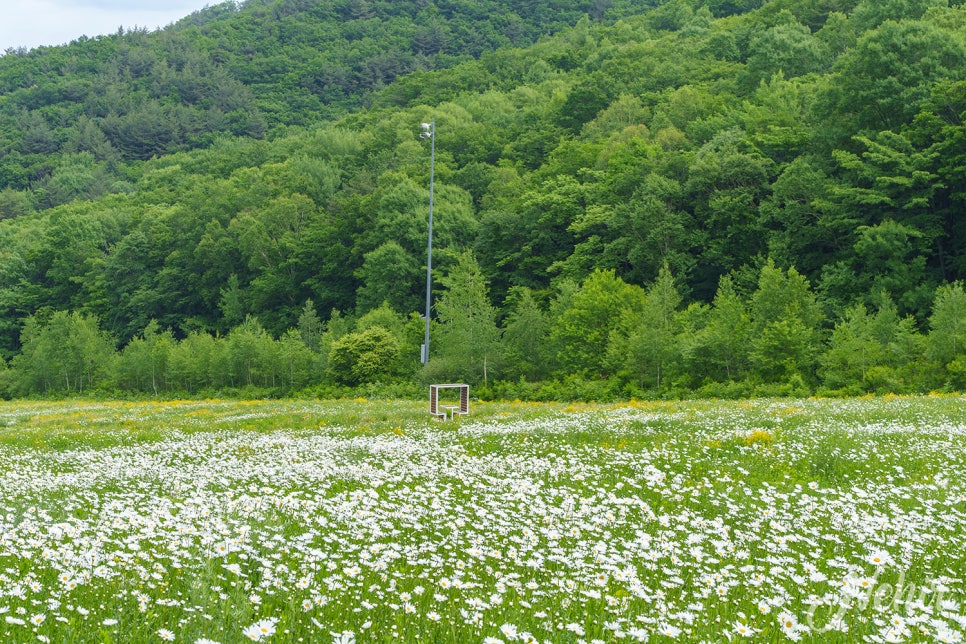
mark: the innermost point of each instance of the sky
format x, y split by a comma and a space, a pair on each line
32, 23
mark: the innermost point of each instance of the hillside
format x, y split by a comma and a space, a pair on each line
241, 69
800, 163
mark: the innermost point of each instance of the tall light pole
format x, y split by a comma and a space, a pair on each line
429, 132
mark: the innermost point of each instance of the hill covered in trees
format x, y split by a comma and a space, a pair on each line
718, 196
241, 69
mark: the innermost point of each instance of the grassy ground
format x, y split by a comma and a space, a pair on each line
366, 521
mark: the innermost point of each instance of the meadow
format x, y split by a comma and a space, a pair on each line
367, 521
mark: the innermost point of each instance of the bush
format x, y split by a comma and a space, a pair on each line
728, 390
510, 390
575, 388
365, 356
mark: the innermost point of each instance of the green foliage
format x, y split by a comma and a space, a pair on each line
871, 13
310, 327
873, 352
524, 337
889, 253
296, 364
650, 230
385, 274
220, 169
142, 366
237, 70
196, 364
66, 353
719, 349
364, 356
799, 231
946, 342
883, 81
788, 48
408, 331
727, 178
468, 343
785, 318
646, 347
581, 323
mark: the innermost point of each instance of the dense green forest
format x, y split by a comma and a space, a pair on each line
725, 198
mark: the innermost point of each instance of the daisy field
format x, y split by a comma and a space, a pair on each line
367, 521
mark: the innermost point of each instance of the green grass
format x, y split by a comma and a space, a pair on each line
369, 520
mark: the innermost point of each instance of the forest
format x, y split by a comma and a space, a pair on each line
691, 197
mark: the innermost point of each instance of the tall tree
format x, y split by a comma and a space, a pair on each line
389, 274
719, 351
310, 326
785, 318
650, 348
946, 342
468, 342
869, 351
142, 366
581, 326
524, 336
727, 180
652, 229
789, 48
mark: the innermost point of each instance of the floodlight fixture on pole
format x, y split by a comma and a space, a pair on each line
428, 131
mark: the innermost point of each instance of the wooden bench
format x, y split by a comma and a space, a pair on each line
443, 410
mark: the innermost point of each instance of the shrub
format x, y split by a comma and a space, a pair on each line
365, 356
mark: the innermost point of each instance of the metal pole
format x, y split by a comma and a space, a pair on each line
429, 130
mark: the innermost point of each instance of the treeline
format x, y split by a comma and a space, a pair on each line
600, 339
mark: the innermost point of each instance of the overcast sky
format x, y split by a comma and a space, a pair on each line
31, 23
